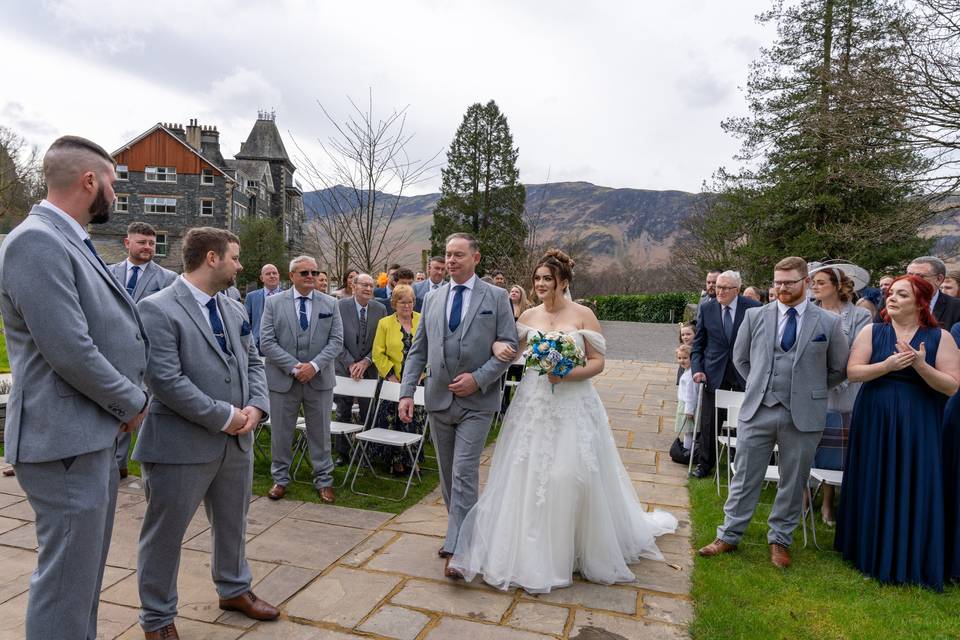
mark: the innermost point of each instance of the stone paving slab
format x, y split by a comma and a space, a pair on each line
339, 573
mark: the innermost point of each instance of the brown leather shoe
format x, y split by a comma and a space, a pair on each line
276, 492
124, 472
450, 572
444, 554
168, 632
251, 606
717, 547
326, 495
9, 472
779, 555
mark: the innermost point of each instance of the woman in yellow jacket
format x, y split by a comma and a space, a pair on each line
390, 346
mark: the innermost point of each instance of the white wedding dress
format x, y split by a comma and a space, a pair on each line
558, 499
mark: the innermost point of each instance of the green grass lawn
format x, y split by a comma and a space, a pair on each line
4, 361
742, 595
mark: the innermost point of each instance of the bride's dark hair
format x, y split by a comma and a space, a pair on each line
560, 265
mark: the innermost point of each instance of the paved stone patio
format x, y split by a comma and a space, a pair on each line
342, 573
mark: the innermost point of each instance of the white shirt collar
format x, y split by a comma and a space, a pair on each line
359, 306
297, 295
732, 305
801, 308
469, 284
201, 297
71, 221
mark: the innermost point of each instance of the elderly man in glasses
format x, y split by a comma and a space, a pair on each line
301, 335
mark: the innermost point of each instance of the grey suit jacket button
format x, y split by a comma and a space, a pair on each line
227, 379
138, 337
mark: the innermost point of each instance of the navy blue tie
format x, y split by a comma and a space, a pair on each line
304, 321
93, 250
456, 309
727, 324
789, 331
216, 325
132, 282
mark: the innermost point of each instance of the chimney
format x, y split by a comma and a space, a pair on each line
193, 134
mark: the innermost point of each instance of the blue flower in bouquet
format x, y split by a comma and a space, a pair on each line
555, 353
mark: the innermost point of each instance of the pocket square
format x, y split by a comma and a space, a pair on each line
322, 315
245, 329
486, 313
820, 338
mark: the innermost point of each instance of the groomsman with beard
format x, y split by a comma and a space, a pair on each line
78, 355
209, 392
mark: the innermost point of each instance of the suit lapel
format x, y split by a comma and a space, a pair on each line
230, 327
188, 302
810, 323
738, 316
476, 296
72, 238
317, 307
770, 323
148, 273
287, 303
940, 307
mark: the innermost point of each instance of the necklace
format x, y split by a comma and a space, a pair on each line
552, 316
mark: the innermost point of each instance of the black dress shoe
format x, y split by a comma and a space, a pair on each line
701, 471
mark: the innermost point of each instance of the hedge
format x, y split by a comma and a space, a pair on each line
652, 307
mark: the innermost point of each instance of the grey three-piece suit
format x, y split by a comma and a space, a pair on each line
185, 455
78, 355
151, 279
285, 344
785, 403
356, 347
459, 425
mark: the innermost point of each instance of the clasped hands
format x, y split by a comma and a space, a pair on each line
906, 356
304, 372
244, 420
463, 385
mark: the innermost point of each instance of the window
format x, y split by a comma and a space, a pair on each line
122, 204
206, 176
253, 185
239, 211
122, 173
159, 205
206, 206
161, 244
161, 174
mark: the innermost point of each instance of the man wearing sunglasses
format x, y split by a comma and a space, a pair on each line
301, 335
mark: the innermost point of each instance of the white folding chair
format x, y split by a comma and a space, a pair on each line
412, 443
821, 477
345, 387
731, 401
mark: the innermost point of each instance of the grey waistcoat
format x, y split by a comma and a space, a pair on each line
781, 377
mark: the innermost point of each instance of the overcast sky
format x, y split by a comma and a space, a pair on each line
622, 94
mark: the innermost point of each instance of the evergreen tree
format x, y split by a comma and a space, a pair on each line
260, 243
480, 191
829, 169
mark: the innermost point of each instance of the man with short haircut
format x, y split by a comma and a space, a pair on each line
420, 276
946, 309
302, 335
885, 283
78, 354
322, 282
141, 277
712, 360
270, 277
498, 278
710, 287
209, 393
436, 269
384, 293
403, 276
455, 337
360, 315
791, 353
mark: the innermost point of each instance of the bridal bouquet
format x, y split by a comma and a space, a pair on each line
553, 353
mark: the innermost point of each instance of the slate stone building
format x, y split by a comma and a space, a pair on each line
176, 178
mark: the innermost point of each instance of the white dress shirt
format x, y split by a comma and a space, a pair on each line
130, 266
733, 310
782, 317
71, 221
202, 299
308, 306
469, 284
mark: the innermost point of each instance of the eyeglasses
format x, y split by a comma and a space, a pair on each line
719, 288
786, 284
305, 273
930, 277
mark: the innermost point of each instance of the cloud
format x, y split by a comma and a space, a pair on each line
31, 126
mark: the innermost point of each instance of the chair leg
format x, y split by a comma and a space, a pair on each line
693, 446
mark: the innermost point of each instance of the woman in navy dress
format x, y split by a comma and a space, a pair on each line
891, 523
951, 478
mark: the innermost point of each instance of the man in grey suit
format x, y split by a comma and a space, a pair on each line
436, 269
253, 303
360, 315
78, 354
791, 353
209, 392
301, 335
141, 277
454, 343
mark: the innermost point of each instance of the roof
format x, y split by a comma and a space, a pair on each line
263, 143
173, 135
258, 170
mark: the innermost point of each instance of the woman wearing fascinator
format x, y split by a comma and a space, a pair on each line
558, 499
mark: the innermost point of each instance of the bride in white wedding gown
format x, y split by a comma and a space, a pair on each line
558, 499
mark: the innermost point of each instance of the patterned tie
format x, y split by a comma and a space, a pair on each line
216, 325
304, 321
93, 250
132, 282
363, 326
789, 331
727, 324
456, 309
